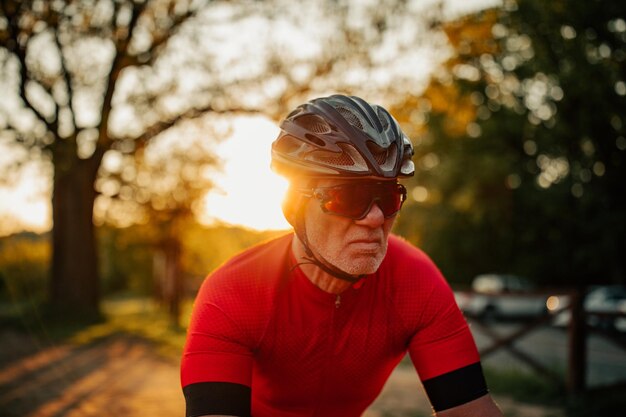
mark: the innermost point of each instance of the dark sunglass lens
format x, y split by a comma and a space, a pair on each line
389, 199
390, 202
348, 200
354, 201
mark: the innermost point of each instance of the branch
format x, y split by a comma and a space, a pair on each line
158, 41
161, 126
67, 77
16, 48
104, 142
167, 33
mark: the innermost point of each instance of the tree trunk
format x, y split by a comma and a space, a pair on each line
74, 284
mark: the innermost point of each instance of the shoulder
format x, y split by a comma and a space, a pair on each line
239, 296
412, 280
248, 275
409, 264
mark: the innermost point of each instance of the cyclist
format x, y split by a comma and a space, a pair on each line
313, 323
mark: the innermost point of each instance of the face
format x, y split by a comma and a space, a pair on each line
354, 246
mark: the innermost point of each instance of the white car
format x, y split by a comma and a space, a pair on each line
600, 299
499, 296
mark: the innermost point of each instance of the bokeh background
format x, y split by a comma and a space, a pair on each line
135, 135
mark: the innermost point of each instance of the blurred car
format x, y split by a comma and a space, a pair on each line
604, 299
502, 296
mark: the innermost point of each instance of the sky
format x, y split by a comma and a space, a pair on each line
25, 205
247, 192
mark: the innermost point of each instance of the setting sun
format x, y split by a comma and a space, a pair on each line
247, 192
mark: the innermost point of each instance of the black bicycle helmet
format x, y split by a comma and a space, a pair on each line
342, 136
338, 137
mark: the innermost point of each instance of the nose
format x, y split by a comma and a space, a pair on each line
374, 217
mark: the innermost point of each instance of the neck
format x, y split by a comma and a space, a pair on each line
317, 276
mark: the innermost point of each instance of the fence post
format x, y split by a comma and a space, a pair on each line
577, 369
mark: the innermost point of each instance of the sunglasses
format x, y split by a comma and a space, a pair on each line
355, 200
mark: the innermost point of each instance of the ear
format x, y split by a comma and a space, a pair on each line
294, 199
290, 205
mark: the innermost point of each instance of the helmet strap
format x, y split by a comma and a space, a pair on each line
318, 260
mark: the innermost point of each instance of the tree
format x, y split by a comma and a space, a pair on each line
90, 77
523, 162
69, 57
162, 185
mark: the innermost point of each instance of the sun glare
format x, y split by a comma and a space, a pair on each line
23, 206
248, 193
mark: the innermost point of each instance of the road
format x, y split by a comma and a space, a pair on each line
122, 376
549, 346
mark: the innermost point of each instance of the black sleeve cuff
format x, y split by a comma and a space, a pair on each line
457, 387
225, 398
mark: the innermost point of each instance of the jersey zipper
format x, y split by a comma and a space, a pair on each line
327, 366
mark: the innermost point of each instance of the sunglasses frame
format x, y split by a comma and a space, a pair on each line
321, 193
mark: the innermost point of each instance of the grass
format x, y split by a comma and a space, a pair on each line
131, 315
530, 388
140, 317
524, 386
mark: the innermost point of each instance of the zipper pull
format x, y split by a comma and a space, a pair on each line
337, 301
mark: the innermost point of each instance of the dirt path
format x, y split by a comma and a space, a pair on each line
118, 376
403, 396
121, 376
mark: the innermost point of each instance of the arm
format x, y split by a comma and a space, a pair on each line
446, 358
480, 407
217, 399
216, 367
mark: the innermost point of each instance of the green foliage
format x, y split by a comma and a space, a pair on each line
127, 255
136, 316
126, 258
534, 181
524, 387
207, 248
24, 262
533, 389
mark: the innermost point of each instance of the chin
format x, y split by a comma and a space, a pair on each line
362, 266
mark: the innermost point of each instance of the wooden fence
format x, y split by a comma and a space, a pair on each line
577, 333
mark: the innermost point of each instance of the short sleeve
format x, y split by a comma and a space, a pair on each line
215, 350
443, 343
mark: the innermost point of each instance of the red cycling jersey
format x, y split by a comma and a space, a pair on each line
259, 322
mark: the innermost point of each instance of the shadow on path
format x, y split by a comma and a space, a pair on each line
117, 376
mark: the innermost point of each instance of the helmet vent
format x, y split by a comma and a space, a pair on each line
352, 118
313, 124
332, 158
314, 139
381, 157
383, 119
384, 157
295, 112
348, 160
288, 144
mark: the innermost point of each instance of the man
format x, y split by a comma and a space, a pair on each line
313, 323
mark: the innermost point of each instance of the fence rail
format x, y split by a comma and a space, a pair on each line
578, 332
